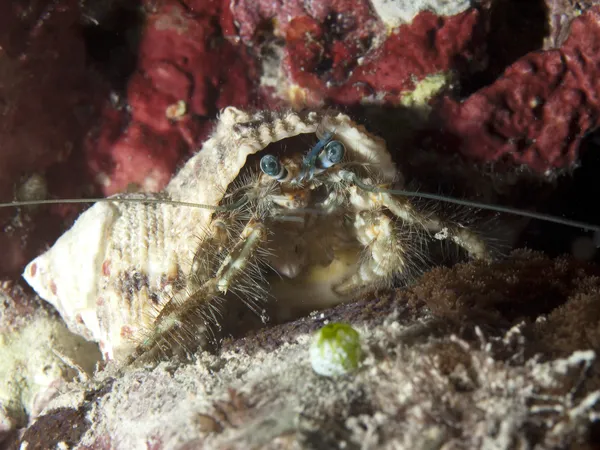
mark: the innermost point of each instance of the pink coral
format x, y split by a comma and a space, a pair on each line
349, 20
540, 109
47, 106
429, 45
186, 72
341, 52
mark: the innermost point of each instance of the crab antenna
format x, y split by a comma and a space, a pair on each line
349, 176
163, 201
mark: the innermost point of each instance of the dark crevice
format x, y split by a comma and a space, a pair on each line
575, 197
111, 32
517, 27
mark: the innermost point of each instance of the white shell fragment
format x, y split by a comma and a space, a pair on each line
120, 263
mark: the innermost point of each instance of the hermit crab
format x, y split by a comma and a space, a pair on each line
292, 206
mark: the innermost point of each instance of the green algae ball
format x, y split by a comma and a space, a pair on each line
335, 350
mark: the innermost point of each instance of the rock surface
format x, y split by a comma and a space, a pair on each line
470, 357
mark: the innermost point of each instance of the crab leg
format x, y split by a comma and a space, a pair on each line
390, 248
205, 261
388, 252
179, 320
362, 198
465, 238
239, 256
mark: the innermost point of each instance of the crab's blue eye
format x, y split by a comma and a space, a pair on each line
271, 166
332, 154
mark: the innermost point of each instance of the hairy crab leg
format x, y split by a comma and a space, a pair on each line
463, 237
403, 209
178, 321
387, 244
388, 253
238, 258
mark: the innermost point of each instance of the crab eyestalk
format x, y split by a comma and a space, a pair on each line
308, 164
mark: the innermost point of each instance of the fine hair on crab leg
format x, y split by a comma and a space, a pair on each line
425, 223
463, 237
389, 250
238, 258
177, 322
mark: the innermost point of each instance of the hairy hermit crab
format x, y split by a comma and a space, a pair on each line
285, 205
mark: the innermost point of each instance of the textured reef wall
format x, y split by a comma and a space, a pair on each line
98, 97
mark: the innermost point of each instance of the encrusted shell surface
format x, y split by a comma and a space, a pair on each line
120, 261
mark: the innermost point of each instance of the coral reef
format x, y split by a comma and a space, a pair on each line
392, 70
188, 59
66, 121
47, 106
539, 110
342, 52
186, 71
